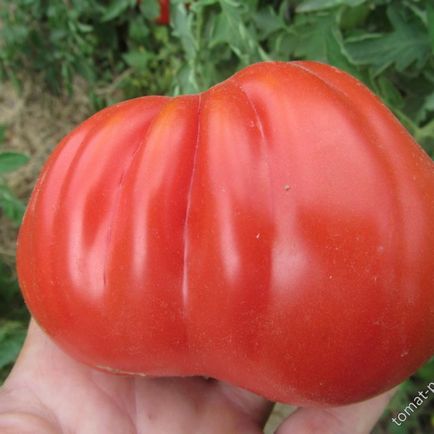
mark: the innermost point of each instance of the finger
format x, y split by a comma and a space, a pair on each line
37, 353
21, 411
355, 418
35, 343
257, 408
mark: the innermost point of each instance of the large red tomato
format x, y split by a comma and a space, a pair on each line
274, 232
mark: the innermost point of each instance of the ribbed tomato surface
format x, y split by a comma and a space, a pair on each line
274, 232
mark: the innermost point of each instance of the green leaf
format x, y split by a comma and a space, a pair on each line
407, 44
8, 286
319, 5
10, 161
85, 28
429, 102
282, 45
115, 9
186, 82
312, 34
354, 16
12, 207
393, 428
425, 137
199, 4
389, 93
138, 30
182, 27
430, 21
232, 29
150, 9
426, 372
12, 334
137, 59
336, 54
420, 107
268, 22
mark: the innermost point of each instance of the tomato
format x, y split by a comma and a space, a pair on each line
274, 232
164, 17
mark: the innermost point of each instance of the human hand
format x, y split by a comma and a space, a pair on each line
50, 393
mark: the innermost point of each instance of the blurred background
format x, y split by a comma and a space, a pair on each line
62, 60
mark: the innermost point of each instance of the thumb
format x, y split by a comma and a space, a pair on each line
357, 418
257, 408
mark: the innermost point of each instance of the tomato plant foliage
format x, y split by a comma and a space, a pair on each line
386, 44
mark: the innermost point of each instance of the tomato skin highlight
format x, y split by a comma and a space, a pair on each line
273, 232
